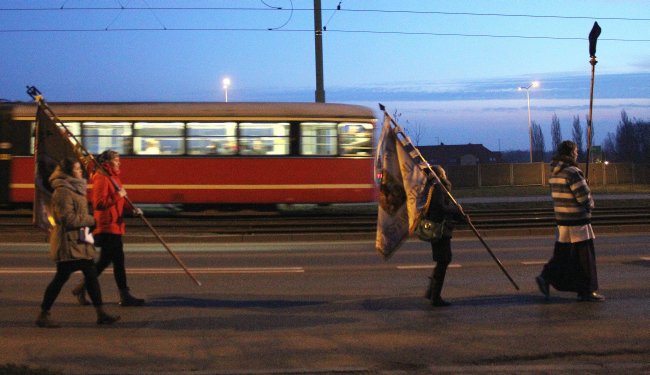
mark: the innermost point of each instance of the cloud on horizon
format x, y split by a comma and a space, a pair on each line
494, 112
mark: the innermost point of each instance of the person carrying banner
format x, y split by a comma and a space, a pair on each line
69, 247
404, 174
573, 265
440, 210
108, 205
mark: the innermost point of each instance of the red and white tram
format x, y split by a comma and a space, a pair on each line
210, 153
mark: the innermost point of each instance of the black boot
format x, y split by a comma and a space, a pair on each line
543, 286
437, 280
126, 299
429, 291
104, 318
80, 292
44, 320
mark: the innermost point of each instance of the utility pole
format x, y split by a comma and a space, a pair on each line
318, 35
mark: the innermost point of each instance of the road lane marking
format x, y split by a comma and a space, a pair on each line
533, 262
645, 258
420, 266
10, 271
224, 270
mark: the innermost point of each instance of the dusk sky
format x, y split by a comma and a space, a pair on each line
450, 67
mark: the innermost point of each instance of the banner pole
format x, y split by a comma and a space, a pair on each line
589, 119
593, 39
78, 147
399, 130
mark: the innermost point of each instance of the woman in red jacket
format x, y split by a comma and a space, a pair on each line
108, 209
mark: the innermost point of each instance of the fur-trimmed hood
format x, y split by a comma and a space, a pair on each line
59, 179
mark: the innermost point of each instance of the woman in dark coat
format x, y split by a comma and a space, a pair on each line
69, 247
441, 209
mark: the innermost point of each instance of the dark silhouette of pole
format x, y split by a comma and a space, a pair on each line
318, 46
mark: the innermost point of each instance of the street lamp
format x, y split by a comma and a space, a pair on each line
226, 84
530, 128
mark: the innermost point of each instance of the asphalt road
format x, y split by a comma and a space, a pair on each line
334, 307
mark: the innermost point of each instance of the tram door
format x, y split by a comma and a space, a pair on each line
15, 140
5, 153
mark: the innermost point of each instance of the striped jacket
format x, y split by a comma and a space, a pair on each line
572, 201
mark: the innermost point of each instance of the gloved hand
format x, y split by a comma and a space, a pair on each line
122, 192
137, 212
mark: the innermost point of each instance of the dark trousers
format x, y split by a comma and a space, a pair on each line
572, 267
63, 272
441, 254
112, 251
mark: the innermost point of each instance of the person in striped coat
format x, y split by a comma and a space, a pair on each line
573, 265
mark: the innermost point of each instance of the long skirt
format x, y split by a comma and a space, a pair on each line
573, 267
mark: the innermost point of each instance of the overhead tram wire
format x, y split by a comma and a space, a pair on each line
412, 33
278, 8
292, 9
495, 14
338, 8
269, 8
123, 8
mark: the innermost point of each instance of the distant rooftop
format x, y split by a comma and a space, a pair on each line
466, 154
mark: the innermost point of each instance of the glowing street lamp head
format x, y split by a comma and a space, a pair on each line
532, 85
226, 84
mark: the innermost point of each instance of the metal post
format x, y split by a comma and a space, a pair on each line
530, 122
226, 85
318, 39
530, 126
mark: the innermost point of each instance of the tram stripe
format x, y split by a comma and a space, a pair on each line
230, 187
251, 187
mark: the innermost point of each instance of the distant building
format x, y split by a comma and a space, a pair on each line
469, 154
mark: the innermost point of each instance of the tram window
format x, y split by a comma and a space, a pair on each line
73, 127
211, 138
355, 139
100, 136
264, 138
20, 137
318, 138
153, 138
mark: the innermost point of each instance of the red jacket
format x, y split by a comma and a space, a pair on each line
108, 206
